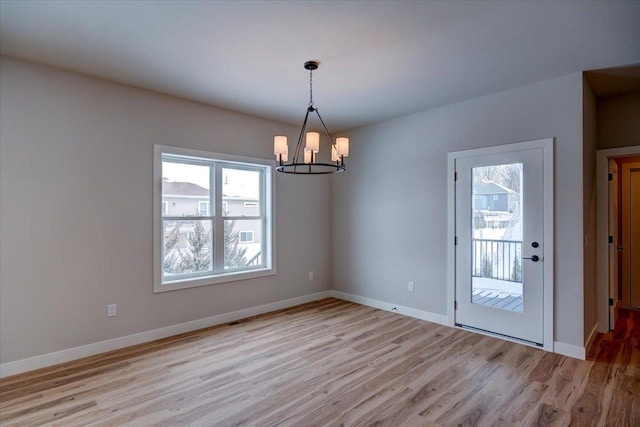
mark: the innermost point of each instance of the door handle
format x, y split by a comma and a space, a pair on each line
619, 248
534, 258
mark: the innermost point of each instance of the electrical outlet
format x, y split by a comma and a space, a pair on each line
112, 310
410, 286
311, 275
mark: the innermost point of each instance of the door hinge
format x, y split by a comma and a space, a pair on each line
455, 176
611, 302
610, 239
610, 177
455, 241
455, 305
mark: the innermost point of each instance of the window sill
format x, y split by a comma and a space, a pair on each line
212, 280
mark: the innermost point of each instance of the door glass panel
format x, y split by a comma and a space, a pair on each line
497, 236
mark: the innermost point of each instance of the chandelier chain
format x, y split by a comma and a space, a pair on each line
311, 88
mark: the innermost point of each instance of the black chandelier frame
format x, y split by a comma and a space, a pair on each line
312, 168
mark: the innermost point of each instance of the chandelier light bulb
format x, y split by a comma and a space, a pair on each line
280, 145
308, 156
334, 155
313, 141
342, 146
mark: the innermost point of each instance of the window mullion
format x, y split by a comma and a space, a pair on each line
264, 204
242, 217
218, 222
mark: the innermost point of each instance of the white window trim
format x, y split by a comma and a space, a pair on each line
269, 240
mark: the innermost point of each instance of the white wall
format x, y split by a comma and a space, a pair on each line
389, 208
76, 224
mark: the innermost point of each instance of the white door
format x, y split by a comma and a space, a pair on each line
630, 239
499, 254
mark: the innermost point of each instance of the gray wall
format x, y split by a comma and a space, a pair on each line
76, 218
76, 223
390, 207
589, 126
619, 121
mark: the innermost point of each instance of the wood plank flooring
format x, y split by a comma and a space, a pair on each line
335, 363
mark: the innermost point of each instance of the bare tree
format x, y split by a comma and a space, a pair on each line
505, 175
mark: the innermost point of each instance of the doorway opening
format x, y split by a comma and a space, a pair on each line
618, 250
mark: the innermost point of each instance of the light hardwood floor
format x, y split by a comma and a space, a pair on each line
334, 363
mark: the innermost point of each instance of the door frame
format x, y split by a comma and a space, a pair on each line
602, 229
547, 146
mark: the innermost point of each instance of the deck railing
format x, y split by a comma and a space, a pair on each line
255, 260
497, 259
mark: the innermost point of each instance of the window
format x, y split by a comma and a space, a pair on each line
207, 236
203, 208
246, 237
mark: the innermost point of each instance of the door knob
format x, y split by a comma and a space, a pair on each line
534, 258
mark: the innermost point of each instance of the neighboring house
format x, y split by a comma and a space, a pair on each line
491, 196
184, 199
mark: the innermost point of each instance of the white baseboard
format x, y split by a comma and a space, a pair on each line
570, 350
49, 359
395, 308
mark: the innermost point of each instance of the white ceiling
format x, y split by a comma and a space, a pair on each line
378, 59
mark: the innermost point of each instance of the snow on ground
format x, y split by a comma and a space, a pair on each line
489, 233
497, 288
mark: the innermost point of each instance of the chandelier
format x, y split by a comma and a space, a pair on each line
309, 164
